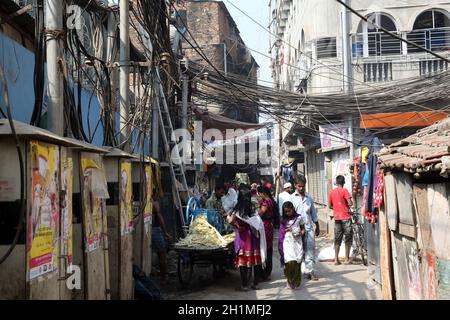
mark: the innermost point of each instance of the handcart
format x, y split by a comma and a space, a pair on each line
201, 256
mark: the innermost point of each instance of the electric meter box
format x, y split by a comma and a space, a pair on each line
118, 165
38, 265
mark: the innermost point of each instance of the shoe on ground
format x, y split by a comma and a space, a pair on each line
312, 276
255, 287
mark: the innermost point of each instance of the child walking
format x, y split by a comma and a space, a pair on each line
290, 244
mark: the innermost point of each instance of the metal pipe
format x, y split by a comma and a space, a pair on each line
225, 61
124, 74
184, 110
54, 26
155, 122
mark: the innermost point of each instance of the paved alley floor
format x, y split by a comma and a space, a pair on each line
343, 282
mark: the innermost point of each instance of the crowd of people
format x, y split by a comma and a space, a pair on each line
253, 214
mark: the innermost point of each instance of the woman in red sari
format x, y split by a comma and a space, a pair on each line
266, 212
249, 241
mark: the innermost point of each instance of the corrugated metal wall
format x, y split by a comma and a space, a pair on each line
315, 171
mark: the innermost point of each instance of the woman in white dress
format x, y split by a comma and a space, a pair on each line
290, 244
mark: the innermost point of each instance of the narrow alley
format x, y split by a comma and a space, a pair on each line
343, 282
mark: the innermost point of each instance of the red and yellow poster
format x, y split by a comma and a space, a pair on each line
66, 206
95, 192
125, 191
148, 198
43, 218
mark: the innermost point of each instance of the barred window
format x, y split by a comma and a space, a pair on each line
326, 48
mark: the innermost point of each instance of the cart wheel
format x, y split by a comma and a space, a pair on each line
185, 268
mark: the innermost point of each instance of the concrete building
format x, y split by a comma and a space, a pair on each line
306, 46
219, 38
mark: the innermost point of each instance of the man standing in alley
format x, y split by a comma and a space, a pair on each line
304, 205
230, 198
340, 202
284, 196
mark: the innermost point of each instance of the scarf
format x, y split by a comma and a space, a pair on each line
257, 223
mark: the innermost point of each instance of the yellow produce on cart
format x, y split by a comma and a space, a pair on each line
203, 235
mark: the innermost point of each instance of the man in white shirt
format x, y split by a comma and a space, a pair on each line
304, 205
229, 200
284, 196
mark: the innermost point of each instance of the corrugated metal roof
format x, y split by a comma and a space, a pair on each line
428, 150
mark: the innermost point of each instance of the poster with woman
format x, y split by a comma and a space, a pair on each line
148, 198
43, 218
93, 200
125, 193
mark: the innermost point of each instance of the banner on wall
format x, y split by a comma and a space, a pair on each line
66, 206
95, 191
334, 135
149, 200
43, 220
125, 192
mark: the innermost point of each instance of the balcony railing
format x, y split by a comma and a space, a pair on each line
375, 44
378, 44
433, 39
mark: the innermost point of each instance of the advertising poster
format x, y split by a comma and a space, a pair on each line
149, 189
66, 206
334, 136
43, 218
125, 192
94, 192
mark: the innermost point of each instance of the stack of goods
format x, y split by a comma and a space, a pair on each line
204, 235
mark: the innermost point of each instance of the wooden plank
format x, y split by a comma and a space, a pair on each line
404, 183
429, 276
407, 230
138, 237
413, 268
395, 271
65, 250
113, 246
391, 201
94, 216
423, 217
147, 252
402, 282
385, 259
126, 268
78, 258
438, 202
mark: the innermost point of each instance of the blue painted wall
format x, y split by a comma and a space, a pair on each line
18, 64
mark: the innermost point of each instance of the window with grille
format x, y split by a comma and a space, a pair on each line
326, 48
378, 72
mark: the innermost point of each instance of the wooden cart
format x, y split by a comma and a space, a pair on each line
188, 257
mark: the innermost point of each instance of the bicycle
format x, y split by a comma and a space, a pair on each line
358, 237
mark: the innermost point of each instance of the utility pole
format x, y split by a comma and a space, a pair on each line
347, 64
124, 79
54, 27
